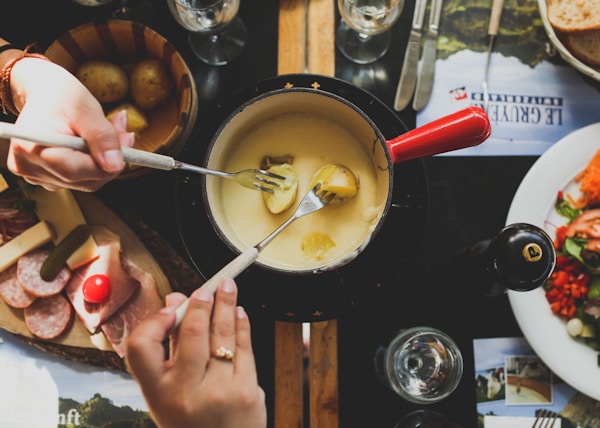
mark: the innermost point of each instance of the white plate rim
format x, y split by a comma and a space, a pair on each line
562, 49
533, 203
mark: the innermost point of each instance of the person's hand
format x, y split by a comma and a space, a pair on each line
53, 100
193, 387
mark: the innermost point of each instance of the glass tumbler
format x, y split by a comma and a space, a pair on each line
422, 365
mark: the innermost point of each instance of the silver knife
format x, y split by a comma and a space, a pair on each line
495, 15
425, 77
408, 77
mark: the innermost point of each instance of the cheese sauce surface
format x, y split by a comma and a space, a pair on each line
312, 142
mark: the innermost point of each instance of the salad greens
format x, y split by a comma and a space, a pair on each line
573, 290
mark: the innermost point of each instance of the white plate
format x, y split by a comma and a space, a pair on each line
533, 203
562, 49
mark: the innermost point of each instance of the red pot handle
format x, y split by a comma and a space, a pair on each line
465, 128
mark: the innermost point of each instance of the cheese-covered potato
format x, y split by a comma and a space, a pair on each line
283, 197
338, 179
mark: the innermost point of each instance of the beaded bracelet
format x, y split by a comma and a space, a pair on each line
6, 99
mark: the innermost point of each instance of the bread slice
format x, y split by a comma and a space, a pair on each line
574, 15
584, 46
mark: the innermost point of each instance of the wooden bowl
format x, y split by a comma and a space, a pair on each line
125, 43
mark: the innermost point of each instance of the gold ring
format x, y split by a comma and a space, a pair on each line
224, 354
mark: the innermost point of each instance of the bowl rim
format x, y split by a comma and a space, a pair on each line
562, 49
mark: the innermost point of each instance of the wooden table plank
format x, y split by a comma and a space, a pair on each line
321, 37
306, 44
323, 356
291, 56
323, 375
289, 373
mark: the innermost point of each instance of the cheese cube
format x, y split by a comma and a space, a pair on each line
61, 209
37, 235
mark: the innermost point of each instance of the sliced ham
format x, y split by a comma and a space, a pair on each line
28, 274
146, 301
12, 291
109, 263
49, 317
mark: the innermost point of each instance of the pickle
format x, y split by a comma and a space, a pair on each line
60, 254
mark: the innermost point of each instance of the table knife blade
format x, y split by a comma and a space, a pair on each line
427, 73
408, 76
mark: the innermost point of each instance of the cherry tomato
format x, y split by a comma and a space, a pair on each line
96, 288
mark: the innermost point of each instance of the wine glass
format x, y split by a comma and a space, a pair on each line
421, 364
363, 35
217, 35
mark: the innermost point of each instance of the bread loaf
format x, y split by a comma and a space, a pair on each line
584, 46
574, 15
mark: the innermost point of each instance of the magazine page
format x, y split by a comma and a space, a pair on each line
536, 98
514, 387
45, 391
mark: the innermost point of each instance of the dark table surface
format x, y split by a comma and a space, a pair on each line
466, 200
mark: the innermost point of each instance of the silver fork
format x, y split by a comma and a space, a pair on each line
313, 201
251, 178
545, 419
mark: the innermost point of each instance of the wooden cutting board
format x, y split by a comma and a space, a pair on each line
78, 343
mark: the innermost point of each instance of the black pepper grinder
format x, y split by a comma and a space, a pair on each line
521, 257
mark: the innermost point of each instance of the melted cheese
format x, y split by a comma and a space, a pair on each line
312, 141
61, 209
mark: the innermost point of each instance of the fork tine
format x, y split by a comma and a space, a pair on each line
327, 197
272, 175
267, 180
546, 419
323, 195
263, 188
264, 181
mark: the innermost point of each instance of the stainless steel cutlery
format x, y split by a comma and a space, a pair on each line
417, 74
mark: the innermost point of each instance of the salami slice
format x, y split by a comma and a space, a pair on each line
12, 291
28, 274
49, 317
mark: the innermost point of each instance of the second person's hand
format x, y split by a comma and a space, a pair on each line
209, 379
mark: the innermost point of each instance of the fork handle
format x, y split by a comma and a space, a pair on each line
130, 155
231, 270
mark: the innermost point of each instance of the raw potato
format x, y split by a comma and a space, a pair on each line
282, 198
136, 122
150, 83
338, 179
106, 81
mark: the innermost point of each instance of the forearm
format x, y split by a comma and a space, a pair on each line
12, 96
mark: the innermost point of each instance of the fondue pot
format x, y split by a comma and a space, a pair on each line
297, 95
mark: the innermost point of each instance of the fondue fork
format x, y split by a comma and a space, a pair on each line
258, 179
313, 201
